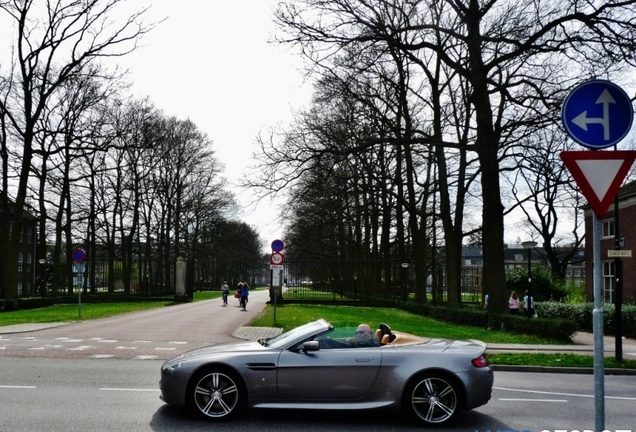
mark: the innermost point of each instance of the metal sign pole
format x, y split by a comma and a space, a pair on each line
597, 325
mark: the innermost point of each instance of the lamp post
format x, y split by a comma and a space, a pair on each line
42, 262
405, 292
529, 245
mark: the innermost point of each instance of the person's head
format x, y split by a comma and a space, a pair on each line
514, 295
364, 332
240, 285
224, 282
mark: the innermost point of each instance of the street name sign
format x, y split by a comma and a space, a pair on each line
619, 253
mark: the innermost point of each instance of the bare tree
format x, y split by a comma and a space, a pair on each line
510, 53
52, 45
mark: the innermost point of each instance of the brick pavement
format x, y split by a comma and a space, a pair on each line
152, 334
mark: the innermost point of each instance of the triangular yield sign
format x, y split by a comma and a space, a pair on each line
599, 174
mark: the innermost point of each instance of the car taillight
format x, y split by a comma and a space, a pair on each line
480, 361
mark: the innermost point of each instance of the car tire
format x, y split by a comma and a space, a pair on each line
216, 394
432, 399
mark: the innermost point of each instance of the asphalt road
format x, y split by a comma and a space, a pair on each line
55, 395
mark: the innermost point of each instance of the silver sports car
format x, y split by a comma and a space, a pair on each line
317, 366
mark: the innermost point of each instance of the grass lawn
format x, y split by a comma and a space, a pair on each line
290, 316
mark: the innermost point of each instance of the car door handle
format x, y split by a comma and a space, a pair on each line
363, 360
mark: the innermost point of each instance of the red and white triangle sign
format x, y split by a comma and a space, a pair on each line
599, 174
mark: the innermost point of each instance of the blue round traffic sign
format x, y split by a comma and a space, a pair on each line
597, 114
78, 255
278, 245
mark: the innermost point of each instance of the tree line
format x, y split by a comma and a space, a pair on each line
433, 120
100, 169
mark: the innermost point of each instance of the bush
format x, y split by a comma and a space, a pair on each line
544, 288
557, 329
581, 314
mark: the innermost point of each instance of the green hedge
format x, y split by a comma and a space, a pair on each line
553, 328
581, 314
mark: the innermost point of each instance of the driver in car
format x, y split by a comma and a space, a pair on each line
364, 336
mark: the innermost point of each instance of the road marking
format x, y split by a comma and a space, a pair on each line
125, 347
102, 356
532, 400
80, 348
128, 389
563, 394
17, 387
145, 357
107, 341
178, 342
142, 341
164, 349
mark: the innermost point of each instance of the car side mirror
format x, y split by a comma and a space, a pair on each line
309, 346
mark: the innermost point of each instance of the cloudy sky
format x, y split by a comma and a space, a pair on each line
210, 61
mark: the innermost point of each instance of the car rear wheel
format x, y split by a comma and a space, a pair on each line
432, 399
216, 394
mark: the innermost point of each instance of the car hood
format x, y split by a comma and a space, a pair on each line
221, 349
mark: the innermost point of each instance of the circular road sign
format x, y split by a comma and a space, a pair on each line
78, 255
278, 245
277, 258
597, 114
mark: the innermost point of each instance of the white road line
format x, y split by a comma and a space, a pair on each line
125, 348
128, 390
164, 349
178, 342
80, 348
563, 394
17, 387
533, 400
145, 357
102, 356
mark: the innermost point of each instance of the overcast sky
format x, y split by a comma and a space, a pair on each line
210, 61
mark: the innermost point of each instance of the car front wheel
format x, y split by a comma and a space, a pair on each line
216, 394
432, 399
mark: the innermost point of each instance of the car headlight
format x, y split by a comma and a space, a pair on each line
168, 369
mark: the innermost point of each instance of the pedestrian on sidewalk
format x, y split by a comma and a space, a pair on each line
225, 290
245, 292
528, 305
513, 303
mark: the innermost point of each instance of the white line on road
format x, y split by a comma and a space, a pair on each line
532, 400
17, 387
129, 390
563, 394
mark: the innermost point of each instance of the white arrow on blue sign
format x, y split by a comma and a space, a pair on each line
597, 114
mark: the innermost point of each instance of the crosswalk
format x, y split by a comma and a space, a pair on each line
96, 348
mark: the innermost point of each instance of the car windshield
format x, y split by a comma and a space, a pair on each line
298, 332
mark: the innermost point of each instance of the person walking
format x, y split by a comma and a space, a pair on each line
528, 305
225, 290
513, 303
245, 292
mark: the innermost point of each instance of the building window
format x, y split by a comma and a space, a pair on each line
607, 228
608, 281
577, 273
29, 234
20, 261
518, 257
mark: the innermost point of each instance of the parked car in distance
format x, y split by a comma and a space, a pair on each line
319, 366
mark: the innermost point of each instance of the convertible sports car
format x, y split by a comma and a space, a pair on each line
316, 366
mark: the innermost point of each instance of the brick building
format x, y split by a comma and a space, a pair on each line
627, 230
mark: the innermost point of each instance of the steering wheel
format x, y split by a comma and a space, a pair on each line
386, 330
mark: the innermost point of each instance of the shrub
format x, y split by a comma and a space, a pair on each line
544, 288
